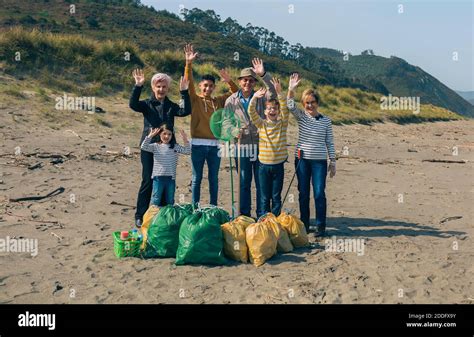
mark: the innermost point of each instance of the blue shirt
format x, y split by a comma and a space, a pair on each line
245, 101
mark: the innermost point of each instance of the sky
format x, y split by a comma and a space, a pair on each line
434, 35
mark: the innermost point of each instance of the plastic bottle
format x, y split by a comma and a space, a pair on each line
136, 235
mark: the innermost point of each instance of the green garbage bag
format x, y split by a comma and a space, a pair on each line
200, 238
188, 207
163, 234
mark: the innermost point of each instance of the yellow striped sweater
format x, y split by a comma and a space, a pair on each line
271, 135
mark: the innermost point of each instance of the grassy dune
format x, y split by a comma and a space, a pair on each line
85, 67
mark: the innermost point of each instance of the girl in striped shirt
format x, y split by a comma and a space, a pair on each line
315, 139
272, 147
165, 159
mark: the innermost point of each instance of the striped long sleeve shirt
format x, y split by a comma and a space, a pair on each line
165, 159
271, 135
315, 136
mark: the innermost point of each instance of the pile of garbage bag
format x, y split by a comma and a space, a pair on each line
205, 235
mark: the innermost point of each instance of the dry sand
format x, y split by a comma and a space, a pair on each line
422, 245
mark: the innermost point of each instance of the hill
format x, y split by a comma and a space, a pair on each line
143, 26
400, 78
226, 42
55, 63
467, 95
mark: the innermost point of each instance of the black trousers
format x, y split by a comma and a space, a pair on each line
146, 187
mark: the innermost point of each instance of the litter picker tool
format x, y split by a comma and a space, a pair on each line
299, 154
225, 126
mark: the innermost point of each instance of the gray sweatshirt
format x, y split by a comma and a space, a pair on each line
250, 131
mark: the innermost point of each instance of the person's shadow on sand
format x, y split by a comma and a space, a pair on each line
358, 227
294, 256
364, 227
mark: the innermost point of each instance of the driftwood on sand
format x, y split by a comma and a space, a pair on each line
57, 191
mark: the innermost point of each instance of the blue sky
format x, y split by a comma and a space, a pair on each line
426, 34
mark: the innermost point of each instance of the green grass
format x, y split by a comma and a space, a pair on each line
14, 93
87, 67
103, 122
43, 94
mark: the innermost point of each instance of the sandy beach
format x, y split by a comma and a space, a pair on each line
412, 212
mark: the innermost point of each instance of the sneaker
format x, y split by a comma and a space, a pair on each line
138, 223
320, 232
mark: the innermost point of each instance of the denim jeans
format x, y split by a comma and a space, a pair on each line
248, 169
314, 171
271, 182
146, 186
163, 187
199, 155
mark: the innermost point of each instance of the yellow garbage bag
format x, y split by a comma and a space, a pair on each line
261, 241
147, 219
284, 244
235, 246
244, 220
295, 228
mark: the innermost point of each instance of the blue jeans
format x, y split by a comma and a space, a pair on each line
315, 171
271, 182
247, 169
163, 187
200, 154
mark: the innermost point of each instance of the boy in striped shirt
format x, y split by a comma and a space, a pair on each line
272, 147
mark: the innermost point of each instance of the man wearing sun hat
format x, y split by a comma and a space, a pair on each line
239, 102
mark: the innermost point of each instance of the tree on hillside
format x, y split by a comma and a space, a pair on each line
207, 20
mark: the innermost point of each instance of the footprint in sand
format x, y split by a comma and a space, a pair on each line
97, 256
410, 293
46, 226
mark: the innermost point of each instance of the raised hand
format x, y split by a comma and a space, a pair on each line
277, 84
225, 76
260, 93
183, 84
258, 67
139, 77
189, 53
295, 80
153, 132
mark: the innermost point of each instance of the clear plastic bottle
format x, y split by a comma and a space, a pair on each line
136, 235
